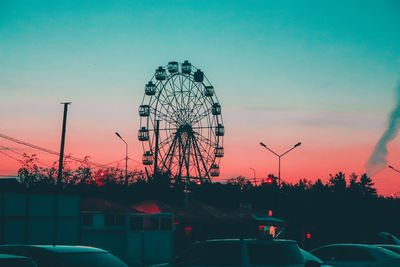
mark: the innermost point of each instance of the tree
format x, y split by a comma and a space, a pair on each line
31, 174
240, 182
337, 183
365, 186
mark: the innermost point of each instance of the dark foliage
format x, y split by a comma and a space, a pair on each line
342, 210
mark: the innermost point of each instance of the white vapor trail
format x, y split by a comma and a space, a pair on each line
377, 161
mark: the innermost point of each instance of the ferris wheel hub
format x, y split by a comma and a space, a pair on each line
185, 129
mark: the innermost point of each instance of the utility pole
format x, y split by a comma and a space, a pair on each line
64, 125
157, 132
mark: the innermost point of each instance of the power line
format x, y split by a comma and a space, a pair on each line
114, 162
138, 162
11, 157
22, 154
52, 152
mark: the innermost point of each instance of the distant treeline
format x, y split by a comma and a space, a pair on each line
345, 209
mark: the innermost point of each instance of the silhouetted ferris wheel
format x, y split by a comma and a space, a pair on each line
181, 125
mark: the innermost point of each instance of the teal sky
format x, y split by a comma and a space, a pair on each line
327, 67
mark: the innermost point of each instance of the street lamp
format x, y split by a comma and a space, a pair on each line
126, 157
394, 169
255, 178
279, 156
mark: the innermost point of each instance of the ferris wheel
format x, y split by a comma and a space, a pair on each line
181, 127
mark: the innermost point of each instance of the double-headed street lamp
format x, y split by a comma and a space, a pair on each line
279, 156
126, 157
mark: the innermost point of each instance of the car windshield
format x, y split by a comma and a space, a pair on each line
274, 254
93, 259
309, 257
393, 248
387, 253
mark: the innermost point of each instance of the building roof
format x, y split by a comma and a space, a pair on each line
93, 204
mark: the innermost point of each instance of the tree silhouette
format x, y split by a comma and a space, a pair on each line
337, 211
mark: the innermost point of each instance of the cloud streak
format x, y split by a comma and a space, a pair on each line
377, 161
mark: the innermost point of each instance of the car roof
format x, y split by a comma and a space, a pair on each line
387, 245
9, 256
347, 245
55, 249
252, 240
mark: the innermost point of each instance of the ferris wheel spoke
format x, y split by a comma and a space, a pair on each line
201, 105
166, 98
165, 141
199, 117
170, 155
202, 159
205, 139
200, 111
189, 99
165, 118
198, 97
162, 155
178, 105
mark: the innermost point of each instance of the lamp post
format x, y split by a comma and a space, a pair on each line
279, 172
279, 157
255, 178
126, 157
393, 168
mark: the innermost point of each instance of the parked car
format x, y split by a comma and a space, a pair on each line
394, 248
388, 238
7, 260
310, 259
346, 255
64, 256
240, 252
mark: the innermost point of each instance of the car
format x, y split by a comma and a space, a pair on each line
346, 255
394, 248
64, 256
7, 260
241, 252
310, 259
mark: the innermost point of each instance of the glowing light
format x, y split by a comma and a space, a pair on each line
272, 230
269, 181
99, 182
270, 213
188, 230
101, 174
308, 235
261, 227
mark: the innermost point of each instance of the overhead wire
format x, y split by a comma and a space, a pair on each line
53, 152
11, 157
22, 154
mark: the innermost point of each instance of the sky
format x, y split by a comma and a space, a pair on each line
322, 73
